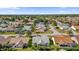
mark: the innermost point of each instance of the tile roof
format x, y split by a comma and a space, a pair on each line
77, 27
13, 40
3, 40
62, 39
16, 40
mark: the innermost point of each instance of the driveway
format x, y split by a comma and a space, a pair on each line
55, 32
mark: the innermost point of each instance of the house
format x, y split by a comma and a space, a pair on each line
63, 26
59, 24
8, 29
18, 41
15, 23
75, 27
77, 39
3, 40
30, 23
27, 28
74, 38
14, 41
66, 26
11, 29
3, 25
40, 40
40, 27
72, 27
62, 41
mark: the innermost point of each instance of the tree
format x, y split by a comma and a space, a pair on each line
0, 46
70, 32
25, 45
30, 43
78, 22
29, 33
6, 47
54, 23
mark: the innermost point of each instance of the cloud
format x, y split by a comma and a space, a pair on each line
12, 8
62, 11
73, 9
63, 7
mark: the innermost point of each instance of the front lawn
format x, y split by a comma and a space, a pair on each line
7, 33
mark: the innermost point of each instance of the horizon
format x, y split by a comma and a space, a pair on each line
38, 10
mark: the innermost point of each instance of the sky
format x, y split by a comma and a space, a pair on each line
39, 10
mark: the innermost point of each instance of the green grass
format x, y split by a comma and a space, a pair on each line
25, 49
6, 33
45, 32
47, 48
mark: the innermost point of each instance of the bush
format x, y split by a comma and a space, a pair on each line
57, 28
25, 45
51, 42
30, 43
6, 47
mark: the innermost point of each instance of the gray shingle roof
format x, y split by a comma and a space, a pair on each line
42, 40
27, 28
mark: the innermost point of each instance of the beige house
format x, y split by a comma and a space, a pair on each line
62, 41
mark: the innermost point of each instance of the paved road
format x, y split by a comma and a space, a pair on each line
9, 35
